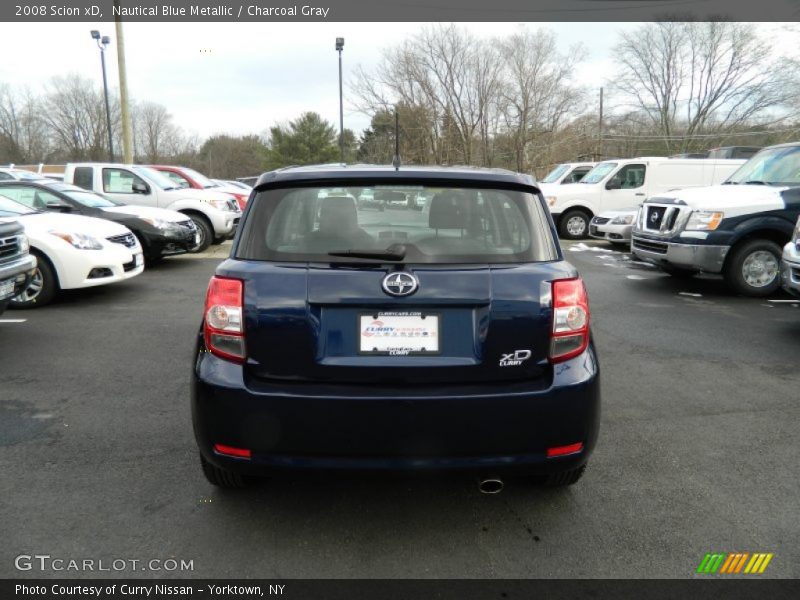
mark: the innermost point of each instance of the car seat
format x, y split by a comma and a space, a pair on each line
338, 226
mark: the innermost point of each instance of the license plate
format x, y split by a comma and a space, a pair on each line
6, 289
398, 333
138, 259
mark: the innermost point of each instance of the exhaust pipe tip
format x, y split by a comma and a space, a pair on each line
490, 485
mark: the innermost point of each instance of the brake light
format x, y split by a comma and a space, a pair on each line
570, 319
222, 325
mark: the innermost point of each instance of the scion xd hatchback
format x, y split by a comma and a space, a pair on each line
455, 337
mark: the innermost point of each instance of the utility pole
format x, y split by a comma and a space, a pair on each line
600, 129
125, 114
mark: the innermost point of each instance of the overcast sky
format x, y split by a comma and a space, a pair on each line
243, 77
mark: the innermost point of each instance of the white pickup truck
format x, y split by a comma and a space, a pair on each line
216, 214
737, 229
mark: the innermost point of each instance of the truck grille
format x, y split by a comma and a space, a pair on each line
9, 248
649, 246
127, 239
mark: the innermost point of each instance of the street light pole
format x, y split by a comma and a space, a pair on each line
102, 43
339, 48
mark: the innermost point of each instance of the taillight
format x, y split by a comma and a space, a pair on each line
570, 319
223, 327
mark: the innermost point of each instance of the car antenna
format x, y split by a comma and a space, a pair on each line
396, 159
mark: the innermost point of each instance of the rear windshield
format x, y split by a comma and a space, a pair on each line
414, 224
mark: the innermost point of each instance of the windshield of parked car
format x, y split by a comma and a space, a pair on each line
599, 173
200, 179
9, 208
772, 166
91, 200
413, 224
156, 178
555, 174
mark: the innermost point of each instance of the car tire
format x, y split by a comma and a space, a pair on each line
218, 240
574, 224
205, 231
677, 272
45, 279
222, 477
562, 479
753, 268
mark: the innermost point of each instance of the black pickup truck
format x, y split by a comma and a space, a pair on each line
16, 264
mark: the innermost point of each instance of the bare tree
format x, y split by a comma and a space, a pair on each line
446, 73
691, 78
537, 95
74, 110
23, 133
155, 135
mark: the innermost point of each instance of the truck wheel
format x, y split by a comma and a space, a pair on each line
754, 268
204, 232
42, 288
222, 477
574, 224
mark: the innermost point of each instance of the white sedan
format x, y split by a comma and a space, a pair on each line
614, 226
73, 252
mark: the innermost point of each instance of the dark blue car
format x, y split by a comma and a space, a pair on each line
451, 337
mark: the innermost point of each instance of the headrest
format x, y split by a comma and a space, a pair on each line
448, 211
338, 213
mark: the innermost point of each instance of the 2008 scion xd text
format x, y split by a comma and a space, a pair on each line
444, 332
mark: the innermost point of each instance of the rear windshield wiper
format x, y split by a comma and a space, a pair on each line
394, 252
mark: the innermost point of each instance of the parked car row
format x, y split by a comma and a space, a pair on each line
57, 235
745, 228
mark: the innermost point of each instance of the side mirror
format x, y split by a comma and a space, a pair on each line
140, 188
613, 185
58, 206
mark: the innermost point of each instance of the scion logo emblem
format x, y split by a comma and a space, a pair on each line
400, 284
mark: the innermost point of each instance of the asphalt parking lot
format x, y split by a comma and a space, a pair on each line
698, 449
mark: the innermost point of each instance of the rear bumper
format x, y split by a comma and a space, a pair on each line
696, 257
790, 269
502, 427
